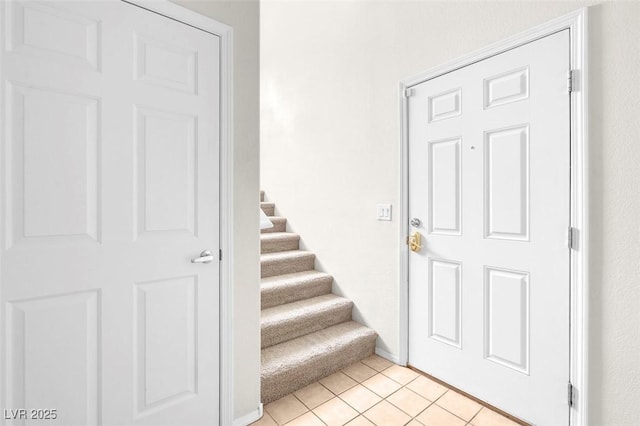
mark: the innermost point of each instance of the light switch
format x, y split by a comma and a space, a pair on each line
383, 211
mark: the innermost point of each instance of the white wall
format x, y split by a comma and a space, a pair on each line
244, 17
331, 149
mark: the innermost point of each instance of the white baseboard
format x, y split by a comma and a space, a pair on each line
391, 357
249, 418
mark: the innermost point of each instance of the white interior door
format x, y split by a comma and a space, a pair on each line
489, 181
110, 137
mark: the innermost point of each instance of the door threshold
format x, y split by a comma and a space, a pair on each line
461, 392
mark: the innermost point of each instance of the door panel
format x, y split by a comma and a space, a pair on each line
166, 368
489, 181
445, 301
29, 27
165, 64
506, 310
110, 186
444, 187
507, 87
34, 211
35, 328
506, 174
166, 145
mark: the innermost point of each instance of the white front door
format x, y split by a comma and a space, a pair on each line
489, 182
110, 134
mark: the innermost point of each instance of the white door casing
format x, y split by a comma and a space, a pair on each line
489, 156
111, 153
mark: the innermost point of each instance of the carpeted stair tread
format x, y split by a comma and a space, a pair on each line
307, 332
296, 363
268, 208
288, 288
286, 322
279, 241
286, 262
279, 225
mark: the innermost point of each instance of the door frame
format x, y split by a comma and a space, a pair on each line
225, 34
576, 23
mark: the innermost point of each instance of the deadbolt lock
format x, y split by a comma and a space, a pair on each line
415, 242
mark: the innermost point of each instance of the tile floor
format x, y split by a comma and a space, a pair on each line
377, 392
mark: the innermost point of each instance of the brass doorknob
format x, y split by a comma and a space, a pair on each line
415, 242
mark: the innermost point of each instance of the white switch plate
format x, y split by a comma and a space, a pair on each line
383, 211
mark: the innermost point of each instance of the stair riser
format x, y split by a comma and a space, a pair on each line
277, 385
274, 333
286, 266
268, 208
279, 225
293, 293
273, 246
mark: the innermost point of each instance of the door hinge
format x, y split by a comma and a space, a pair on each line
570, 391
220, 254
572, 238
570, 81
408, 92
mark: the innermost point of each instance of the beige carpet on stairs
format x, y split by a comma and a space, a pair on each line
307, 332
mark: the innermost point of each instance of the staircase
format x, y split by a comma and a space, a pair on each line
307, 332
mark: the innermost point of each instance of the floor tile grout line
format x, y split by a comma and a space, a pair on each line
334, 397
353, 378
347, 402
432, 403
440, 397
330, 391
363, 413
448, 411
310, 411
354, 382
370, 408
421, 396
372, 367
391, 378
321, 385
421, 411
484, 404
303, 404
426, 408
318, 417
476, 414
336, 394
370, 390
403, 387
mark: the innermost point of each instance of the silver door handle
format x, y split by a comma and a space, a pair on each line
205, 257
